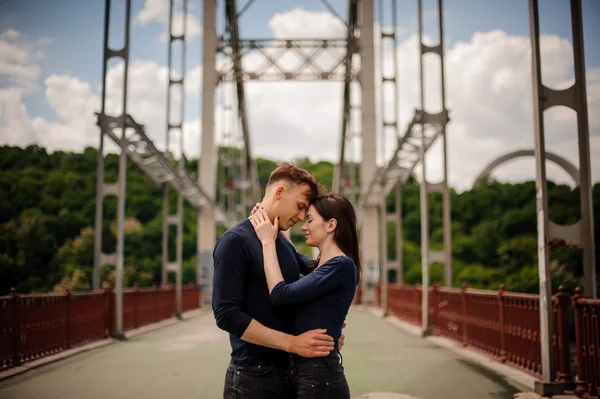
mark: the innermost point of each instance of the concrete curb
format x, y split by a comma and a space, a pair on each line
519, 379
13, 371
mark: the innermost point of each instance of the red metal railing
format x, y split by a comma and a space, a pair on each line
404, 302
503, 325
33, 326
448, 317
561, 338
587, 337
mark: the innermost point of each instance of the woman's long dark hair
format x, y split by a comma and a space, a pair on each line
335, 206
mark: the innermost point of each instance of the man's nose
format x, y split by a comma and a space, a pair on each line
301, 216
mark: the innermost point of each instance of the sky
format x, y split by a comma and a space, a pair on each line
51, 76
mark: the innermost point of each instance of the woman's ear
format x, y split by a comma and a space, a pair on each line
331, 225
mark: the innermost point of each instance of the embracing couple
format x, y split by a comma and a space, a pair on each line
286, 331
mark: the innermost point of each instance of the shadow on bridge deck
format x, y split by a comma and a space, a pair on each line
188, 360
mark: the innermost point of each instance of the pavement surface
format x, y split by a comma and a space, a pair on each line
188, 360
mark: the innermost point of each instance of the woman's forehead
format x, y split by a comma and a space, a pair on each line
312, 210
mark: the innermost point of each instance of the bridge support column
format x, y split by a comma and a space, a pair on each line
207, 166
172, 127
573, 97
383, 252
438, 122
103, 189
369, 228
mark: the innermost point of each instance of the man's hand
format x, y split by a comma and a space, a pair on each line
313, 343
342, 338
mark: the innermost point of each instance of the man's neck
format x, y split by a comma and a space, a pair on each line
268, 207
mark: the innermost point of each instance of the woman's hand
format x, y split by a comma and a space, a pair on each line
255, 209
265, 230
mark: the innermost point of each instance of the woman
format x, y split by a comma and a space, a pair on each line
324, 295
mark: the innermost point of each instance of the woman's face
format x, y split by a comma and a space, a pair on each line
314, 228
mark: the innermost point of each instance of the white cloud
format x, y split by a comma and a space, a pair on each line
10, 34
490, 97
302, 24
16, 127
19, 59
157, 11
488, 92
193, 81
75, 103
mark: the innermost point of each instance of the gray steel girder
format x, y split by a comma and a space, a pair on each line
160, 168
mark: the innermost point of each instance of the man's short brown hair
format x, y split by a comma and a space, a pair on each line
290, 172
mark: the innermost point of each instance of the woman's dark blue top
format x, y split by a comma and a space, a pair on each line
322, 298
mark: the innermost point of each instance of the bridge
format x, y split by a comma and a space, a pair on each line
544, 342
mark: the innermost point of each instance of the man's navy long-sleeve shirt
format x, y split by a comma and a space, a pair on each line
240, 291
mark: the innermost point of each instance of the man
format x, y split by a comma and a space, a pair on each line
241, 302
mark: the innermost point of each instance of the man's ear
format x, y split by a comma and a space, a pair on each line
279, 192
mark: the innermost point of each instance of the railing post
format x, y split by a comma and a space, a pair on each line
136, 292
16, 332
110, 310
106, 311
563, 371
416, 307
582, 385
501, 320
463, 310
155, 286
68, 298
199, 291
435, 305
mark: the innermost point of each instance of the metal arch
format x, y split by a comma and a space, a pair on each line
557, 159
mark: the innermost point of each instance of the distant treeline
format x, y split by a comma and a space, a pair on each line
47, 208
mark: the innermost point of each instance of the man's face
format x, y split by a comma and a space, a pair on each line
291, 205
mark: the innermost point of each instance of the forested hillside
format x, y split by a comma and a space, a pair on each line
47, 208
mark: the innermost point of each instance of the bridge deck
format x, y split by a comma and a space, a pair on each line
188, 360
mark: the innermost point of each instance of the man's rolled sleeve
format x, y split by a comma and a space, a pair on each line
228, 285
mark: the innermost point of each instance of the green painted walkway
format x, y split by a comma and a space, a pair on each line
188, 360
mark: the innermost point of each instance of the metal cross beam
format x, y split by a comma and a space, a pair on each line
140, 149
406, 156
281, 60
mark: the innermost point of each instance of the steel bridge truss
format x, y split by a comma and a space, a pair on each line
290, 60
160, 166
581, 233
411, 150
280, 60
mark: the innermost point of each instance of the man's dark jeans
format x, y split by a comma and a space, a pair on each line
319, 378
257, 382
